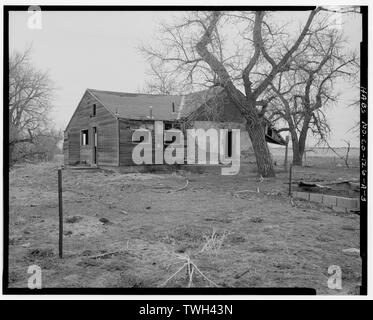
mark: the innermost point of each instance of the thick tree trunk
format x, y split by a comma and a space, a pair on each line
262, 154
298, 151
297, 154
297, 157
256, 132
300, 146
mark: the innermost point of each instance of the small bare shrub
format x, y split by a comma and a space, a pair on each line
191, 269
214, 242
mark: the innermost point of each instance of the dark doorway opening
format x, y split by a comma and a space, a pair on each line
229, 142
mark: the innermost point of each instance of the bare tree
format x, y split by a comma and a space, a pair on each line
345, 158
307, 88
43, 147
194, 50
30, 92
161, 82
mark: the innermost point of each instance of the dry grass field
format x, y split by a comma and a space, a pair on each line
138, 230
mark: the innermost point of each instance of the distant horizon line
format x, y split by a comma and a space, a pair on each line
277, 147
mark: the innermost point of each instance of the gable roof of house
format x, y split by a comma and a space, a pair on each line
137, 106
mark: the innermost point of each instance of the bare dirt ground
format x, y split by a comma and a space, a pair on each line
262, 239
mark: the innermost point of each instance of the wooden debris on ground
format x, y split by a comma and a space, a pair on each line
310, 185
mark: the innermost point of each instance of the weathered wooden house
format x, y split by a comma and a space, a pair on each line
100, 130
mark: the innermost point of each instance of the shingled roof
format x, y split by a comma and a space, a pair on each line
136, 106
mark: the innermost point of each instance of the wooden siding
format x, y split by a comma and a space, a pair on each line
74, 147
85, 154
126, 128
105, 122
125, 143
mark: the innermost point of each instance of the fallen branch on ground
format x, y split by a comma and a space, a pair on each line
242, 191
106, 254
241, 274
182, 188
312, 185
103, 255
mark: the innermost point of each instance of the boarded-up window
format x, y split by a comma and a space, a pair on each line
84, 138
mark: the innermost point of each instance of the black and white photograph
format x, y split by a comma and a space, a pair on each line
185, 150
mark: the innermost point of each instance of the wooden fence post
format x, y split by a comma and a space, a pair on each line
290, 177
286, 154
60, 214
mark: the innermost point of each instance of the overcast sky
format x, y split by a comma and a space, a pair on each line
99, 50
